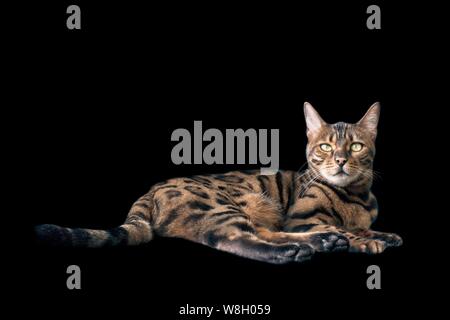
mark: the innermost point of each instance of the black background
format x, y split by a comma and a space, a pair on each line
102, 102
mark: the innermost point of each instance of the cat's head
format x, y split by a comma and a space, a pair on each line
342, 153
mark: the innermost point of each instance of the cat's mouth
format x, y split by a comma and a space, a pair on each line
341, 173
339, 178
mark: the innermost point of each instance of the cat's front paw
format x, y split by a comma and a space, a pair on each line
391, 239
329, 241
368, 246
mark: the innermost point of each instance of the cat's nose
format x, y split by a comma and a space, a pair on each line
341, 161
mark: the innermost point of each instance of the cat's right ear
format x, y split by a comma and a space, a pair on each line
313, 120
370, 120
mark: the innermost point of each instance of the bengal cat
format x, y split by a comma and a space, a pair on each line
278, 218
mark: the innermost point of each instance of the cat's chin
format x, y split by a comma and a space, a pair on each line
340, 180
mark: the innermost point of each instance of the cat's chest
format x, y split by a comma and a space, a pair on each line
350, 211
353, 215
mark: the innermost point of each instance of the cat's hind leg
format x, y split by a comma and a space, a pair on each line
230, 229
219, 223
241, 239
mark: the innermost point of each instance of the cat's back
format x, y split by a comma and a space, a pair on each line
279, 186
263, 197
220, 209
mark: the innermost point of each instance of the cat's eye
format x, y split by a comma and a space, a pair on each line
326, 147
355, 147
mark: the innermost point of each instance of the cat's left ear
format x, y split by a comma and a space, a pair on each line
370, 120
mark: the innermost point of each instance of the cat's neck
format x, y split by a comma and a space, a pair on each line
359, 187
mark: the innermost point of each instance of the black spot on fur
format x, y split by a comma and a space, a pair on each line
202, 180
264, 183
337, 217
243, 187
193, 218
173, 214
198, 205
236, 193
223, 201
323, 220
229, 178
223, 213
303, 227
172, 194
311, 213
364, 196
212, 238
197, 191
243, 226
304, 215
233, 208
280, 187
231, 216
344, 196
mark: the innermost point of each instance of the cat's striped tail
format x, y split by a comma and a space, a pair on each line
136, 230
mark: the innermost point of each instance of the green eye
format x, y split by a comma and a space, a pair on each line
356, 147
326, 147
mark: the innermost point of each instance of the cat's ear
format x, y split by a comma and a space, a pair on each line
313, 120
370, 120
